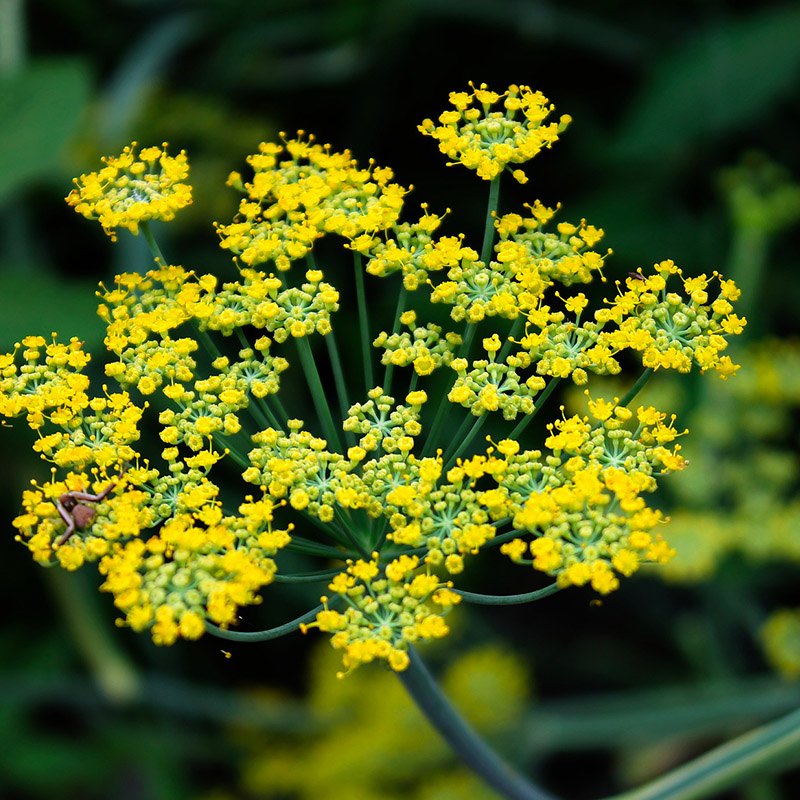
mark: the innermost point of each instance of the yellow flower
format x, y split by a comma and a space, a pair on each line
487, 141
133, 188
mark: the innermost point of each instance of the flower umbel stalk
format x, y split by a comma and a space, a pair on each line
469, 746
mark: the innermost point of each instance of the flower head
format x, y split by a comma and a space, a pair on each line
487, 140
132, 188
302, 190
673, 330
389, 482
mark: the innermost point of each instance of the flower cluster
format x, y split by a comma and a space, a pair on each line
388, 607
487, 141
673, 330
301, 191
390, 488
583, 501
133, 188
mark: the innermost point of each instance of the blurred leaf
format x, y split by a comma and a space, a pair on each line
720, 80
45, 763
141, 69
42, 304
40, 109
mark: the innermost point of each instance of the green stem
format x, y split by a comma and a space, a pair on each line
317, 392
401, 302
637, 387
264, 636
262, 414
307, 577
467, 339
488, 228
433, 431
363, 322
352, 537
508, 599
209, 344
540, 401
726, 766
282, 413
472, 749
516, 330
338, 378
312, 548
459, 434
444, 403
330, 529
144, 227
459, 445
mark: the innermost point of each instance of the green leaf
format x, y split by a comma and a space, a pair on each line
43, 304
40, 108
720, 80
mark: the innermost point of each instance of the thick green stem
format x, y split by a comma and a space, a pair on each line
433, 431
467, 339
648, 716
262, 414
728, 765
144, 227
234, 452
207, 342
363, 322
488, 228
281, 412
455, 730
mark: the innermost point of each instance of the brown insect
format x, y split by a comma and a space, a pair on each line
74, 511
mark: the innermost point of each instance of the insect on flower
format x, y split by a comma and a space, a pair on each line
74, 511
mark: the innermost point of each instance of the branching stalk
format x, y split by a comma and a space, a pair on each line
317, 391
263, 636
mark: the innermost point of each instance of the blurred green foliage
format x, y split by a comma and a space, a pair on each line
668, 96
